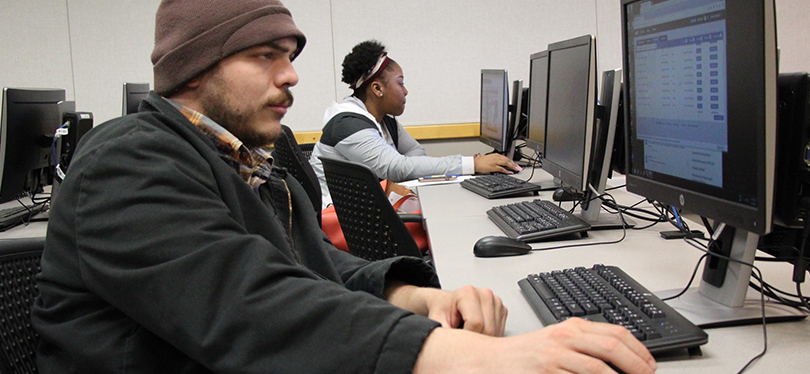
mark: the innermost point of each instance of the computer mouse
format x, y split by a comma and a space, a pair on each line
496, 246
567, 194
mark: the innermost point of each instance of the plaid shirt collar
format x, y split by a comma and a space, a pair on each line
253, 165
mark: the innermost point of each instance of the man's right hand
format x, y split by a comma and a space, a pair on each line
575, 346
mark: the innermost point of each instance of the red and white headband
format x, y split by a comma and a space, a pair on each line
382, 62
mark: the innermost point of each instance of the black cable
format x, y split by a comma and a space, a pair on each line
772, 293
691, 279
764, 324
615, 188
624, 234
802, 298
694, 243
629, 211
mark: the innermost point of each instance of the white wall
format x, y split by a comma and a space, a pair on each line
90, 47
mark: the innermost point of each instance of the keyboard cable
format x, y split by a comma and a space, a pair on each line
624, 233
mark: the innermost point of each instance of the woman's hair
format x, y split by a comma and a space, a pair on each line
360, 60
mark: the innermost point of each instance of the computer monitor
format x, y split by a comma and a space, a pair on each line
538, 95
792, 182
495, 130
701, 82
517, 110
618, 161
602, 153
133, 94
29, 122
571, 110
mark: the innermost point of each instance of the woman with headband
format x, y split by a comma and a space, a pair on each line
362, 128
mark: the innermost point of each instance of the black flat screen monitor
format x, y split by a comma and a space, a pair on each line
495, 109
29, 122
517, 111
701, 82
571, 110
538, 95
133, 94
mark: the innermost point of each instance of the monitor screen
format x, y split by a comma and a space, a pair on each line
29, 122
495, 109
538, 94
133, 94
570, 114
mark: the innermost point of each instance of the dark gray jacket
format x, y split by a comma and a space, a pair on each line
160, 259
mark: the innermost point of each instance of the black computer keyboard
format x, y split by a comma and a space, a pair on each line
535, 220
499, 185
10, 217
607, 294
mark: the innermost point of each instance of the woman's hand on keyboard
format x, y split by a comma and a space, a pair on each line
495, 163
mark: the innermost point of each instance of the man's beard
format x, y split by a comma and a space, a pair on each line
218, 106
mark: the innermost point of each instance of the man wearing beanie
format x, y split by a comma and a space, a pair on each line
175, 247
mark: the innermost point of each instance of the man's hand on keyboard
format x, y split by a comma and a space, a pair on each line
581, 346
573, 346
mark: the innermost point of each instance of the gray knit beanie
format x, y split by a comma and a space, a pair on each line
194, 35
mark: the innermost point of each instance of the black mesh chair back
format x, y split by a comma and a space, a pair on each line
288, 154
372, 227
306, 149
19, 265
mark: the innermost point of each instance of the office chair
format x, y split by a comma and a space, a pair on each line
306, 149
372, 227
19, 265
288, 154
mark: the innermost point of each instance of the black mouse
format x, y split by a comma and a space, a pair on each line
496, 246
567, 194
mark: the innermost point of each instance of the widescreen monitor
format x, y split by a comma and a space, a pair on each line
29, 122
700, 81
538, 95
495, 109
570, 111
133, 94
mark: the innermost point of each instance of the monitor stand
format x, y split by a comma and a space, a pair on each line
603, 221
721, 299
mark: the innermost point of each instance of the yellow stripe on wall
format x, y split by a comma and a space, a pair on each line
426, 132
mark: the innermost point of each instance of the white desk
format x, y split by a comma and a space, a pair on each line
32, 230
456, 218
